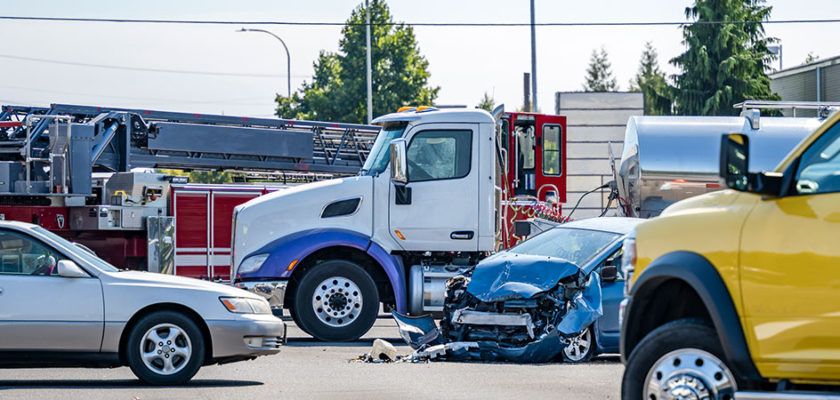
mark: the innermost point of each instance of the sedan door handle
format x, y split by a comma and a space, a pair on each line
461, 235
1, 290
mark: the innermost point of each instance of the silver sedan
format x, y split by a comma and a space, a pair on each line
60, 306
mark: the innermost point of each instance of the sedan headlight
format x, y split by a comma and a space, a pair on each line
628, 263
252, 263
244, 305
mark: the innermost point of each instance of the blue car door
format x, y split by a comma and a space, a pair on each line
612, 292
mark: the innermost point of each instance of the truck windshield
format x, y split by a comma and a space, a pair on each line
380, 153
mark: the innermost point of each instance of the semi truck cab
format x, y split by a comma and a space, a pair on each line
332, 251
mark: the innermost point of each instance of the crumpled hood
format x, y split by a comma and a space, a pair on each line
511, 276
153, 279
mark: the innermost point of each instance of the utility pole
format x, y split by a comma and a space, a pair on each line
526, 105
533, 61
369, 83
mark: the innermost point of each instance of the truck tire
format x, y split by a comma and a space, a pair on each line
336, 300
165, 348
681, 359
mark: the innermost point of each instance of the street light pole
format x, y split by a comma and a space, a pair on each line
533, 61
288, 57
369, 79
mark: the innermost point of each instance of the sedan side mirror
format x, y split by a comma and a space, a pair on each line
69, 269
399, 168
609, 273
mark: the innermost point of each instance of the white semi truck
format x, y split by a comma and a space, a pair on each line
432, 199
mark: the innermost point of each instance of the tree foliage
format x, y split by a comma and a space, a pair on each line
197, 176
724, 63
811, 57
338, 91
599, 76
487, 103
651, 81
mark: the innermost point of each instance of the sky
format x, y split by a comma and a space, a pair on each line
241, 71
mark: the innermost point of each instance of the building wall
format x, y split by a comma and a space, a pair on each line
594, 121
800, 83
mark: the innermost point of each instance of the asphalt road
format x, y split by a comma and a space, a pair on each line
307, 369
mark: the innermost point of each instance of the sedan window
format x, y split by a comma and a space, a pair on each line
23, 255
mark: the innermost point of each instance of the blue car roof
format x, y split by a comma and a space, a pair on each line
620, 225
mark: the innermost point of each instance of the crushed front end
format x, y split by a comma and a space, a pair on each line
510, 307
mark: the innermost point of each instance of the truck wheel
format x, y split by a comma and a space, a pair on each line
581, 348
165, 348
679, 360
336, 300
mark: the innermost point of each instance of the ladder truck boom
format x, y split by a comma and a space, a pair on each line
73, 169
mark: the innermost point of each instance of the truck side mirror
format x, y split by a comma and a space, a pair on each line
734, 161
399, 168
734, 168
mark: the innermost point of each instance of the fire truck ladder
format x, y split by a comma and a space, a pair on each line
123, 139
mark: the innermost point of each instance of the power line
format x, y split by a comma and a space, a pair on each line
142, 69
435, 24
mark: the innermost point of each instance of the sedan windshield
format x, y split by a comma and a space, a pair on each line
76, 251
575, 245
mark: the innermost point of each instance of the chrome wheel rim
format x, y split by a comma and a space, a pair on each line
579, 346
337, 301
689, 374
165, 349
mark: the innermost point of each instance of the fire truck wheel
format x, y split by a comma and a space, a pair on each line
165, 348
336, 300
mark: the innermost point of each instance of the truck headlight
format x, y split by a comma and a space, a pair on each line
252, 263
244, 305
628, 263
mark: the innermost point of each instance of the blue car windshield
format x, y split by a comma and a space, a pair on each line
379, 156
575, 245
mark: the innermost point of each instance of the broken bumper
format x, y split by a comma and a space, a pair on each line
273, 291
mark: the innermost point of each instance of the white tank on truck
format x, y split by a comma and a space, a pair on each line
669, 158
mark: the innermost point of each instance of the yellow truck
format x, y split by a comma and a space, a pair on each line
736, 293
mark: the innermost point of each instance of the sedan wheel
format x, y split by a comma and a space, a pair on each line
165, 348
581, 348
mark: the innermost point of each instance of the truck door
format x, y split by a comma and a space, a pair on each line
441, 208
550, 156
790, 269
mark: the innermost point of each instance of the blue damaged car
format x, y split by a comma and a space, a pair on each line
554, 295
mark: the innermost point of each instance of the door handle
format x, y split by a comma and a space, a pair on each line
1, 290
461, 235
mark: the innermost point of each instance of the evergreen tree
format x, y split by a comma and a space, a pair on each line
651, 81
487, 103
338, 91
724, 63
599, 77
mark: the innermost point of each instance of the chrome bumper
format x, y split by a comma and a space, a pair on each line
273, 291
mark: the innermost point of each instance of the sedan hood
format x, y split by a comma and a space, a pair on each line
153, 279
511, 276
